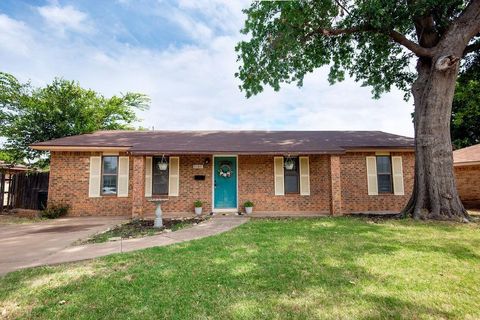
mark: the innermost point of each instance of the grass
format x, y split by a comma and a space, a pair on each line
329, 268
11, 219
140, 228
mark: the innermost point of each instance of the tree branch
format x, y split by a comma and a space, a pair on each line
410, 45
472, 48
342, 6
394, 35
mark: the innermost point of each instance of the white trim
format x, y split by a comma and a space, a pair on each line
466, 163
213, 183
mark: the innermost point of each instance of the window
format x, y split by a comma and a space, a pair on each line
109, 175
384, 174
160, 177
291, 176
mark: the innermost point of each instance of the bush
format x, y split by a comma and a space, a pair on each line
248, 204
55, 211
198, 203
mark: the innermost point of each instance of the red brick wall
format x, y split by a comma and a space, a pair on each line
256, 183
355, 196
69, 179
190, 189
468, 183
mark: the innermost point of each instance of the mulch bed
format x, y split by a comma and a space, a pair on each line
142, 228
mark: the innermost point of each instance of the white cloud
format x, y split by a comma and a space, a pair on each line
193, 87
14, 36
65, 18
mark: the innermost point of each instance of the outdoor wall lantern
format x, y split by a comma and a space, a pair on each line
163, 164
206, 161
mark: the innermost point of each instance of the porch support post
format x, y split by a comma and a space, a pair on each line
335, 186
138, 186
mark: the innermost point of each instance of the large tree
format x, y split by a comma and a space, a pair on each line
60, 109
375, 41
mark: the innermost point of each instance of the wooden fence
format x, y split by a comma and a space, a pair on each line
27, 190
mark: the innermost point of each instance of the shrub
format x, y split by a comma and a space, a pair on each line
248, 204
198, 203
55, 211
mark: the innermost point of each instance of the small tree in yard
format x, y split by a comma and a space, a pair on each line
375, 42
60, 109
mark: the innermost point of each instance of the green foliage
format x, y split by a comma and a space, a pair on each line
198, 203
465, 126
55, 211
289, 39
248, 204
62, 108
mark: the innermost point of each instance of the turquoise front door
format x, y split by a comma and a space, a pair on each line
225, 183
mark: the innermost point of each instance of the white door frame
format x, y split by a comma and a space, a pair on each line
213, 183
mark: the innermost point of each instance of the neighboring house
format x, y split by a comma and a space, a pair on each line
466, 162
282, 172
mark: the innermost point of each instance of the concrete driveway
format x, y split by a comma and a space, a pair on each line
22, 245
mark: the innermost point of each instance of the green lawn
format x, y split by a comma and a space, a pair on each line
330, 268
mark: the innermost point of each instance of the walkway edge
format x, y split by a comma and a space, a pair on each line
214, 226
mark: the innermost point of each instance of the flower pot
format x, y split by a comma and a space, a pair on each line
289, 165
198, 210
163, 166
248, 210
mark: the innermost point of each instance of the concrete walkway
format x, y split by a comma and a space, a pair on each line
23, 245
211, 227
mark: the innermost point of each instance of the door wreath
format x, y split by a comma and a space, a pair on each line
225, 170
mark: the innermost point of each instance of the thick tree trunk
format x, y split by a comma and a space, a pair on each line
435, 193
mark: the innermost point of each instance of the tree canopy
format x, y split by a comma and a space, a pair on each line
62, 108
465, 125
371, 41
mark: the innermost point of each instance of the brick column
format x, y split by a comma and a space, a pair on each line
335, 186
138, 186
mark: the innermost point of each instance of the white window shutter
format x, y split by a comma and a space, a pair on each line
174, 176
372, 176
304, 176
123, 172
397, 170
148, 176
278, 175
95, 177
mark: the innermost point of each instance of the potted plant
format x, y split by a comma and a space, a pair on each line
248, 206
198, 207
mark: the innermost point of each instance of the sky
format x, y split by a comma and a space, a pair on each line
181, 53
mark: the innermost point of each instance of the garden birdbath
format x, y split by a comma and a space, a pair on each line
158, 211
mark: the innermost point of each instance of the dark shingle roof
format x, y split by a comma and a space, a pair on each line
235, 141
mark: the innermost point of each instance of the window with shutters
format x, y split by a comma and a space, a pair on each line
160, 177
109, 175
292, 176
384, 174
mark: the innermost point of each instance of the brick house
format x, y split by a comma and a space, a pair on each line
466, 163
282, 172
